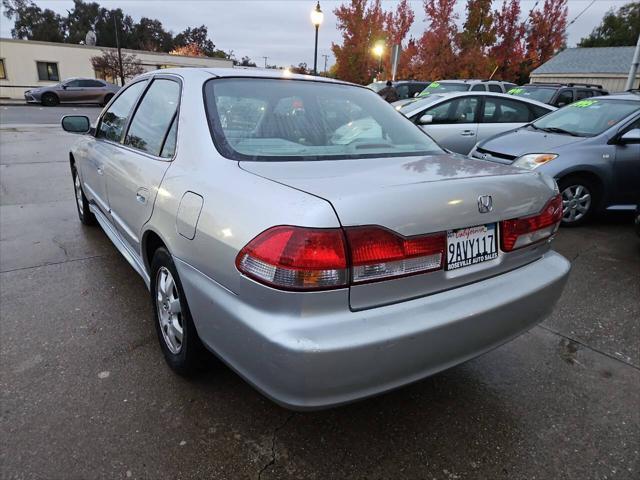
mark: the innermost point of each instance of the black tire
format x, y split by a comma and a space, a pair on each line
107, 99
570, 184
192, 355
50, 100
82, 204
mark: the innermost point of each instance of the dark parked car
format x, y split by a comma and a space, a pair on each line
73, 90
637, 219
405, 88
558, 94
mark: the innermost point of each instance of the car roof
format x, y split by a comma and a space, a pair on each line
471, 80
619, 96
419, 104
245, 72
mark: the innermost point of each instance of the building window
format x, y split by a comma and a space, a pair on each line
3, 72
48, 71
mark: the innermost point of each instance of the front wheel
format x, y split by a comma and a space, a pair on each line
50, 100
179, 340
579, 200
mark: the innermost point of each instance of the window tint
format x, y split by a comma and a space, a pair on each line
502, 110
271, 120
460, 110
114, 120
403, 91
91, 83
153, 116
580, 94
537, 111
169, 147
48, 71
564, 98
478, 87
495, 88
73, 84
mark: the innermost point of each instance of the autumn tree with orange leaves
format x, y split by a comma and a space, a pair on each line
490, 41
363, 23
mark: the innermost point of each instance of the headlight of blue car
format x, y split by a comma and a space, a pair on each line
532, 161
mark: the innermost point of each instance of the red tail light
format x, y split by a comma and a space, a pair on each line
520, 232
377, 253
297, 258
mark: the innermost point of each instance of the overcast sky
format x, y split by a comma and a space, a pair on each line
281, 29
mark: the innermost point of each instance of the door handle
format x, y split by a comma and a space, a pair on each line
468, 133
141, 195
100, 171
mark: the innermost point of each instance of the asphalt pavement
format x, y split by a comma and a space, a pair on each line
85, 392
39, 115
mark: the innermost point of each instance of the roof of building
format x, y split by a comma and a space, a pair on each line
589, 60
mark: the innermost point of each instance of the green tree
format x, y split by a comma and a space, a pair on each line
33, 23
618, 29
196, 36
149, 34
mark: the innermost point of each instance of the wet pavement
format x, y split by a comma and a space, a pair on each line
86, 393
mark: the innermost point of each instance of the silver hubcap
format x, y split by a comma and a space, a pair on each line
169, 310
576, 201
78, 190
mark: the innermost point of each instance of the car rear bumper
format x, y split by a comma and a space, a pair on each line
350, 355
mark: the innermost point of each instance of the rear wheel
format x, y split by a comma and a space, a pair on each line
177, 334
579, 200
82, 204
50, 100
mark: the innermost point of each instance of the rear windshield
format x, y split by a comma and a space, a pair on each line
377, 86
443, 87
272, 119
587, 118
541, 94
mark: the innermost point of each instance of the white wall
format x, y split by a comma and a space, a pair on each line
20, 57
611, 82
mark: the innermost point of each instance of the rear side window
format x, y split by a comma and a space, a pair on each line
580, 94
115, 119
502, 110
154, 117
478, 88
495, 88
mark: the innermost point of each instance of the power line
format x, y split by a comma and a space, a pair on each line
578, 16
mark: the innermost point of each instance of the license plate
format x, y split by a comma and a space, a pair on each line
471, 245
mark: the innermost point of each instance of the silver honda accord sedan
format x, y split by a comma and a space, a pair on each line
320, 244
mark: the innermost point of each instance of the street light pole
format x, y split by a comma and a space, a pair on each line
631, 79
115, 25
316, 19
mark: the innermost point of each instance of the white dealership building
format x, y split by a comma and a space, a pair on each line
26, 64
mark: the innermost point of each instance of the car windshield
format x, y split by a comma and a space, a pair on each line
541, 94
443, 87
587, 118
416, 104
271, 119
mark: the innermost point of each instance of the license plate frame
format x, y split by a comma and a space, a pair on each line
471, 246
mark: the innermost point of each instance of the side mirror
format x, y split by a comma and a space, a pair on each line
632, 136
76, 123
561, 104
425, 119
416, 95
64, 86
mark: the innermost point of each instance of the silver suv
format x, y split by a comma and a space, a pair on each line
73, 90
591, 148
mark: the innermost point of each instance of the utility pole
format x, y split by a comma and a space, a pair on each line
115, 24
634, 67
326, 58
265, 61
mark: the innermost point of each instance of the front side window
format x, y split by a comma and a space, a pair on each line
73, 84
478, 87
114, 120
501, 110
565, 97
459, 110
154, 116
91, 84
271, 119
48, 71
587, 118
